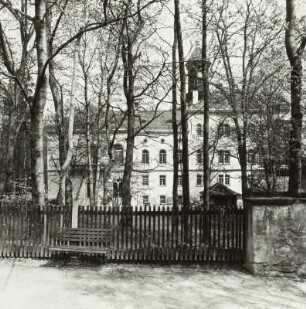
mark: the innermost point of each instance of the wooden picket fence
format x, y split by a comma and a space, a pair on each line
139, 235
155, 234
27, 232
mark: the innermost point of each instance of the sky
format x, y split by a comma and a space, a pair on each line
191, 32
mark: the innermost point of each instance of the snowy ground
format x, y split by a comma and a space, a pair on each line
38, 285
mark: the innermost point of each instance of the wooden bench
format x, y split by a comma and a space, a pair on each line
84, 241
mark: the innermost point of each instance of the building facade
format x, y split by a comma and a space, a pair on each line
152, 176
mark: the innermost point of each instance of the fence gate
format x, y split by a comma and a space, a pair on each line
155, 234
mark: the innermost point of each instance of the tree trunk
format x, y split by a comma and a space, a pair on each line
174, 126
68, 191
206, 163
16, 106
242, 154
295, 48
90, 174
37, 158
65, 194
128, 84
184, 123
59, 119
107, 169
184, 120
38, 105
109, 140
9, 154
97, 176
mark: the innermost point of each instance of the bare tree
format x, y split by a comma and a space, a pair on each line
242, 86
205, 64
175, 125
39, 20
14, 98
295, 46
128, 59
101, 127
136, 74
183, 106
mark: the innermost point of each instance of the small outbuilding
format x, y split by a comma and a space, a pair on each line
222, 197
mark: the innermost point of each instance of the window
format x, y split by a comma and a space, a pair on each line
221, 179
227, 180
53, 161
179, 180
180, 199
224, 157
163, 156
199, 130
199, 156
179, 156
250, 179
224, 130
118, 153
169, 200
261, 158
162, 180
145, 200
162, 199
145, 157
199, 179
224, 179
117, 188
145, 180
251, 157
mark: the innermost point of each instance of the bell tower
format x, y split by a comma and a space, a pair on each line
194, 69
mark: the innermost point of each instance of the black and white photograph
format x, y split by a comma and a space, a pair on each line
153, 154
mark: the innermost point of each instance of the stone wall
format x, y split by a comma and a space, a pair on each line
276, 236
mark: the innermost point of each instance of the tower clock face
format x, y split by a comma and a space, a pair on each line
199, 74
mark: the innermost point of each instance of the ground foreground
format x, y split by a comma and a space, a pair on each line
42, 285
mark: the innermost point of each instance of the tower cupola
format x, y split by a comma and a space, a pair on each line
194, 69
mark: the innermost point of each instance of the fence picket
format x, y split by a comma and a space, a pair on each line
1, 229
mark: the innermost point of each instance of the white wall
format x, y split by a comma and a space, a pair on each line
154, 142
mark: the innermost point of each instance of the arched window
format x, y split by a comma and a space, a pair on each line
163, 156
199, 130
224, 130
145, 156
227, 130
118, 153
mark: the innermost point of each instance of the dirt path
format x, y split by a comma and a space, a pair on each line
32, 284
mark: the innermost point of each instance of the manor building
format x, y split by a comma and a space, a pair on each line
152, 176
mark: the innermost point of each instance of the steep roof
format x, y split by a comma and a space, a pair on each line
154, 121
196, 53
219, 189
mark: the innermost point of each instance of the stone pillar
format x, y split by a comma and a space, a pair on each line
276, 236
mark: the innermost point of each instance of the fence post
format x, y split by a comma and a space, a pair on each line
45, 225
75, 213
